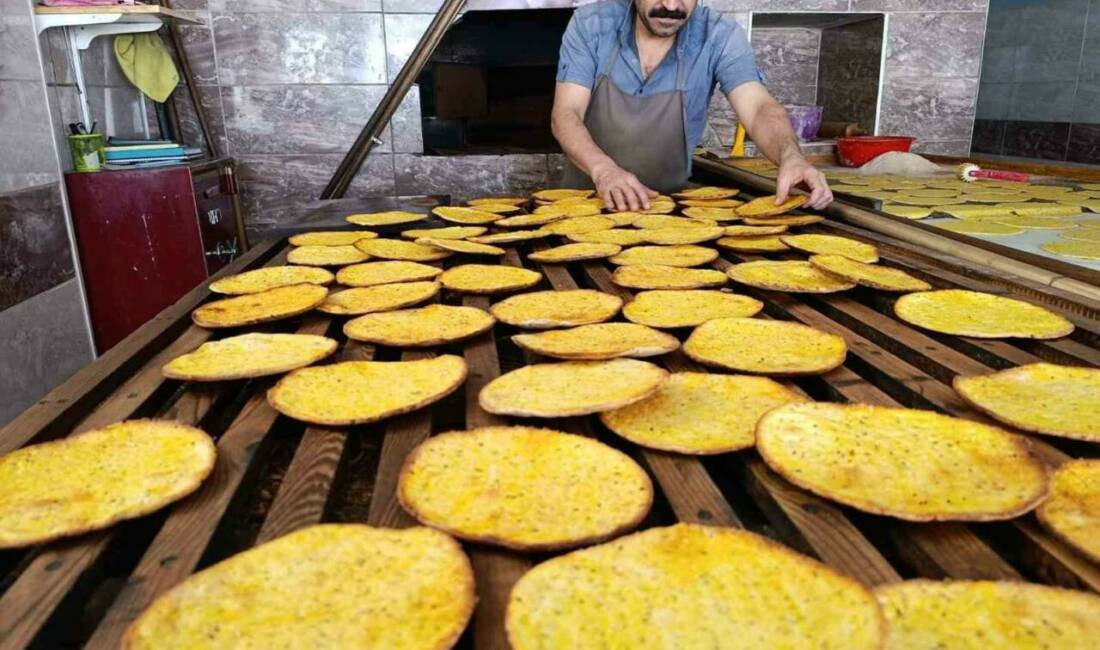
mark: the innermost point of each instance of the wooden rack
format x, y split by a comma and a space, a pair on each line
275, 475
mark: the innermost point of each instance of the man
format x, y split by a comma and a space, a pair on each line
634, 81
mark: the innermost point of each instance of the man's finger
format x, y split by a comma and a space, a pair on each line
643, 194
782, 188
634, 202
618, 202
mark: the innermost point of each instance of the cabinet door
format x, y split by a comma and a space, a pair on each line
217, 220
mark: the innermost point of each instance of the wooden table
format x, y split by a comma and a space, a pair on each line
275, 475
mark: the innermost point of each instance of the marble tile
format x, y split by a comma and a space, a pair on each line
1043, 102
988, 136
406, 125
36, 255
1090, 53
995, 100
999, 64
1086, 104
935, 45
210, 100
787, 57
18, 48
850, 102
1052, 37
931, 109
778, 5
722, 119
942, 147
43, 341
403, 32
93, 60
555, 163
919, 5
315, 48
198, 42
191, 5
1084, 144
1036, 140
27, 132
465, 176
798, 95
281, 6
414, 6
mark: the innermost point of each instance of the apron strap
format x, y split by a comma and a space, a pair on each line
605, 70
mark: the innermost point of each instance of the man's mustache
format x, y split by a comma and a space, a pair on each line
661, 12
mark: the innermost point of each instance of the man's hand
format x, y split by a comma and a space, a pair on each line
795, 170
621, 190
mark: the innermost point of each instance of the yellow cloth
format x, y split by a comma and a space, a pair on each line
146, 62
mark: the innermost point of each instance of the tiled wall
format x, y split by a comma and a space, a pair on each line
1040, 87
789, 58
851, 56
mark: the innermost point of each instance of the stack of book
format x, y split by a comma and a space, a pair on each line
130, 154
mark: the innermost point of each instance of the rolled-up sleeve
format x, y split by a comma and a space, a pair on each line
577, 60
736, 63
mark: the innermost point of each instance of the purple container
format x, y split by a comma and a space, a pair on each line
805, 120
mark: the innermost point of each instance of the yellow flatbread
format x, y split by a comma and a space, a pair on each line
1085, 250
983, 227
330, 237
683, 256
765, 206
498, 208
618, 236
331, 585
468, 216
498, 200
551, 390
393, 217
662, 221
791, 276
397, 249
383, 297
461, 246
1036, 223
1072, 512
979, 615
689, 308
418, 328
786, 220
765, 347
557, 195
712, 214
358, 392
655, 276
925, 201
832, 245
700, 413
1039, 397
981, 315
755, 244
580, 200
488, 279
905, 463
326, 255
451, 232
511, 237
869, 275
524, 488
599, 341
624, 218
682, 236
90, 481
574, 253
262, 307
570, 209
388, 272
270, 277
547, 309
707, 203
1052, 210
975, 213
579, 224
754, 231
249, 355
660, 207
706, 193
933, 192
690, 586
1082, 234
529, 220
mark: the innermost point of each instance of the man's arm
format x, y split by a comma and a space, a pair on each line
618, 188
769, 126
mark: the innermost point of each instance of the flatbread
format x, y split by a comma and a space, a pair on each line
691, 308
574, 253
330, 585
249, 355
584, 209
682, 236
968, 212
765, 206
326, 255
933, 192
579, 224
706, 193
655, 276
580, 200
658, 206
552, 390
417, 328
383, 297
450, 232
624, 218
488, 279
396, 249
757, 244
390, 218
460, 246
617, 236
1040, 398
1079, 249
262, 307
389, 272
92, 480
559, 194
524, 488
1036, 223
662, 221
765, 347
599, 341
270, 277
468, 216
547, 309
869, 275
904, 463
1085, 234
791, 276
707, 203
786, 220
832, 245
754, 231
981, 315
975, 615
359, 392
690, 586
1072, 512
980, 228
330, 237
497, 208
926, 201
529, 220
700, 413
682, 256
498, 200
1052, 210
712, 214
511, 237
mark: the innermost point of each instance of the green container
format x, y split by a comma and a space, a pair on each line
87, 152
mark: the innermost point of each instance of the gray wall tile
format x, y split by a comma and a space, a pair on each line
283, 6
935, 45
25, 124
403, 32
198, 42
919, 5
1086, 106
994, 101
35, 254
787, 57
1043, 102
999, 64
408, 134
463, 177
18, 47
412, 6
931, 109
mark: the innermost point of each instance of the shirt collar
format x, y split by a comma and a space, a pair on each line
686, 38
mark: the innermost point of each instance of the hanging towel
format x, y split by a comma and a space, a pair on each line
146, 62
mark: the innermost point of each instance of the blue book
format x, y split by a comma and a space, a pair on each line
145, 153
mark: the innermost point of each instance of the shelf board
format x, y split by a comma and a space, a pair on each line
122, 10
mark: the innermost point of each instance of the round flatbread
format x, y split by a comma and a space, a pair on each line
249, 355
981, 315
559, 194
979, 228
389, 272
716, 587
869, 275
1085, 233
968, 212
548, 309
460, 246
655, 276
765, 206
904, 463
330, 237
617, 236
511, 237
418, 328
313, 587
498, 200
529, 220
757, 244
706, 193
578, 225
681, 256
1040, 398
358, 392
926, 201
574, 253
524, 488
662, 221
326, 255
623, 218
488, 279
1036, 223
707, 203
383, 297
934, 192
393, 217
691, 308
584, 209
906, 211
1084, 250
397, 249
711, 214
976, 615
599, 341
450, 232
700, 413
660, 207
552, 390
1072, 512
786, 220
270, 277
682, 236
765, 347
753, 231
468, 216
265, 306
1039, 210
498, 208
832, 245
92, 480
790, 276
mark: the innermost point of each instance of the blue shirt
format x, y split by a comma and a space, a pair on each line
712, 48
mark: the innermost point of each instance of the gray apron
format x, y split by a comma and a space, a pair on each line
642, 134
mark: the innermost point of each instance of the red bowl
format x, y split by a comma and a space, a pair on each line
859, 150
